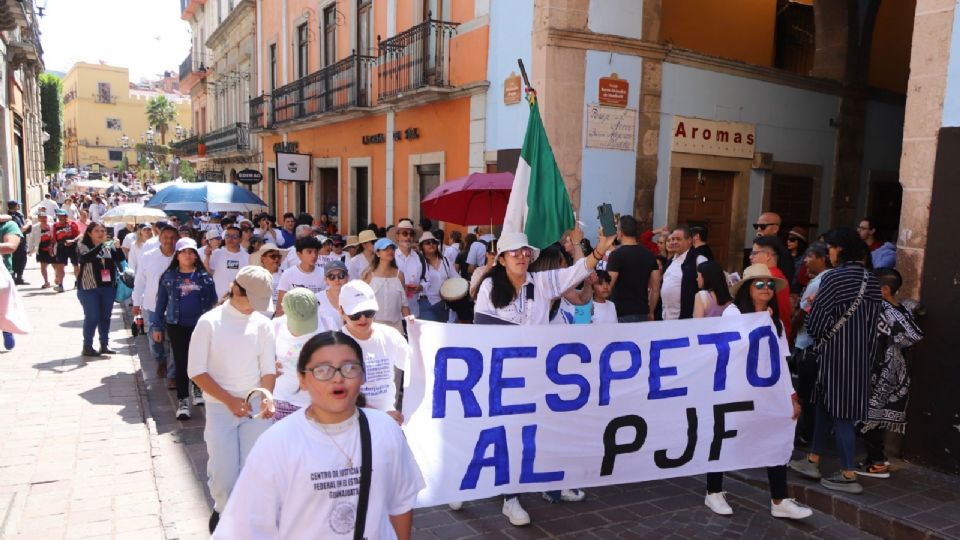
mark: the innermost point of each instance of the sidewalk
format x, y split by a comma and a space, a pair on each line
75, 455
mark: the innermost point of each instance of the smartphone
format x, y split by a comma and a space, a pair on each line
605, 216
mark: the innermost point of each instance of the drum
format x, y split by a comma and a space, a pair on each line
456, 293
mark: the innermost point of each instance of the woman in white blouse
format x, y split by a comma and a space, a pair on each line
438, 270
387, 283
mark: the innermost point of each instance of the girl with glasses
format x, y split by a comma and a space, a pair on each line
755, 293
285, 489
437, 270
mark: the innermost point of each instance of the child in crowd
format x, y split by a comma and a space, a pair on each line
604, 311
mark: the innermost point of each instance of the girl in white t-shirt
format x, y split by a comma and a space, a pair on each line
302, 478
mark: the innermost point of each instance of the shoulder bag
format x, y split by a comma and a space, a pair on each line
366, 469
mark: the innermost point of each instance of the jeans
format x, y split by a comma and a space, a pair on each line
180, 345
433, 312
843, 431
632, 318
97, 306
776, 477
229, 440
20, 260
159, 350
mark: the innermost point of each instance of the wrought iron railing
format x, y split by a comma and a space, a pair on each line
336, 87
415, 58
230, 138
186, 147
260, 112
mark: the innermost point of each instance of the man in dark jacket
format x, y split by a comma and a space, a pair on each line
680, 276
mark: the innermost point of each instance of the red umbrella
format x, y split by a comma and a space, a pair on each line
477, 199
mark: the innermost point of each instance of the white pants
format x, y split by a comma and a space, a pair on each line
229, 440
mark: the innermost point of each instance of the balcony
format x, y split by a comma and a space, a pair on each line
336, 87
415, 58
260, 112
232, 138
186, 147
186, 67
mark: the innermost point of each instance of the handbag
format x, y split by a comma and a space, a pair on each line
366, 469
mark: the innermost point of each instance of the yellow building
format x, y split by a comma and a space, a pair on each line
100, 108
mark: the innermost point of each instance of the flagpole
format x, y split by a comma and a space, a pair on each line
523, 73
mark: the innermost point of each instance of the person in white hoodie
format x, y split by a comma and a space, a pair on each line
150, 266
232, 352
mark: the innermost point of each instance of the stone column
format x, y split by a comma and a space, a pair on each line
648, 122
932, 32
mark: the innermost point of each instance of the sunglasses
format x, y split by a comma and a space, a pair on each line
325, 372
522, 252
368, 314
275, 256
761, 285
337, 275
430, 243
405, 233
233, 236
762, 226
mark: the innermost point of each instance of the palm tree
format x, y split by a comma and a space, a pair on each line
160, 113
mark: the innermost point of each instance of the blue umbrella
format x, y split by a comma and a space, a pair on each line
207, 197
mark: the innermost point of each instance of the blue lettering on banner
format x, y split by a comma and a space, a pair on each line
753, 357
554, 401
658, 372
608, 374
721, 341
527, 474
498, 382
500, 460
442, 385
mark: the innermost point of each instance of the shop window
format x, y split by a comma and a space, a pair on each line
115, 155
114, 123
794, 47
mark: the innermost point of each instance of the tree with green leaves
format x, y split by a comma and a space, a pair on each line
51, 115
161, 112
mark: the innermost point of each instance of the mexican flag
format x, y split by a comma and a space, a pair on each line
539, 205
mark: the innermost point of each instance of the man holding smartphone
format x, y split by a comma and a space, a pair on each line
634, 276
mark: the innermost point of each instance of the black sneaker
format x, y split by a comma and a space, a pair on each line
90, 351
839, 482
214, 519
107, 350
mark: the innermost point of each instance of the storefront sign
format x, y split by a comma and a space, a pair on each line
293, 167
698, 136
613, 91
249, 176
511, 89
291, 146
213, 176
612, 128
378, 138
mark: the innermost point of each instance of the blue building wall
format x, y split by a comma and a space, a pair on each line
792, 124
511, 28
608, 175
951, 99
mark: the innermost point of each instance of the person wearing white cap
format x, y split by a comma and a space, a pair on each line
384, 348
509, 294
411, 264
432, 307
225, 262
361, 261
186, 292
231, 352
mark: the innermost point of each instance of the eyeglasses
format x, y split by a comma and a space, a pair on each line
761, 285
325, 372
762, 226
405, 232
368, 314
275, 256
522, 252
337, 275
233, 236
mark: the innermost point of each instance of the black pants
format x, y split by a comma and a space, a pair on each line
873, 442
180, 343
776, 477
20, 260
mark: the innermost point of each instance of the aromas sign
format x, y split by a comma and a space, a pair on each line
698, 136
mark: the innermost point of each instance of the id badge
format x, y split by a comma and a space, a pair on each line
106, 275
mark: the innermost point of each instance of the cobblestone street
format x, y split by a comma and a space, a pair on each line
94, 450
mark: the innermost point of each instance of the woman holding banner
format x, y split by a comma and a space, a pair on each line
510, 294
756, 294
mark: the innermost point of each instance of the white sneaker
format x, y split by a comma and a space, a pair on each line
718, 503
515, 513
789, 508
572, 495
197, 395
456, 505
183, 409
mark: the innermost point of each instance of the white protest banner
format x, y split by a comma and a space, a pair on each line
515, 409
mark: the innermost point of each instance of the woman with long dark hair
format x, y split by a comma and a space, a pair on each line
186, 292
388, 285
714, 294
755, 294
271, 500
96, 286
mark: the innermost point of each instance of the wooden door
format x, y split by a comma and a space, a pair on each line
706, 200
792, 198
886, 196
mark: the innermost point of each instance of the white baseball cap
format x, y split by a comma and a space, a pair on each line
357, 296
